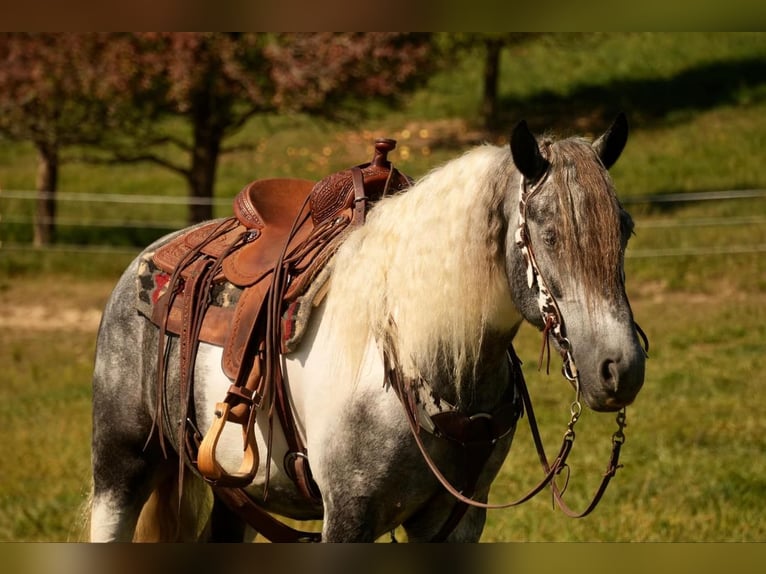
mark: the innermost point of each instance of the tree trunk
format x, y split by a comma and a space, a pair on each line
207, 147
493, 48
47, 181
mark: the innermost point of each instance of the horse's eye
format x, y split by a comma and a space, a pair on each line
549, 237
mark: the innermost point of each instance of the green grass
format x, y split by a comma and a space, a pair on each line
693, 459
694, 465
45, 405
694, 455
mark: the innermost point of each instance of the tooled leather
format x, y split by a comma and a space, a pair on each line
336, 192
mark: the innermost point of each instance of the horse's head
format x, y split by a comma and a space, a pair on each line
566, 260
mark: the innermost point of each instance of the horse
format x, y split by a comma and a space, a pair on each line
433, 287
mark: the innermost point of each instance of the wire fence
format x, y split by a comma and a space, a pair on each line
28, 220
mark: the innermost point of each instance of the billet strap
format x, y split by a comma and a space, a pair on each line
360, 197
273, 376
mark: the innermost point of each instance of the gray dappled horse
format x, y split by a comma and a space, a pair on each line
439, 279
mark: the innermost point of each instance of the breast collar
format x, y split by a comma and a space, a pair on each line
431, 408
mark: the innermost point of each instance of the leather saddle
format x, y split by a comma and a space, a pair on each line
280, 236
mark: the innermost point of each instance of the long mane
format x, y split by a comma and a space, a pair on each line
432, 259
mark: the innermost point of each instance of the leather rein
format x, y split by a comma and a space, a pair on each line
553, 326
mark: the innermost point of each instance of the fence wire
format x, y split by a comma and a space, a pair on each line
642, 223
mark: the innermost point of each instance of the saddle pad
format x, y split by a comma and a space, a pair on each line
151, 284
296, 317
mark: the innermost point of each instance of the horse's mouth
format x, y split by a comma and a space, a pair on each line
606, 403
610, 405
605, 400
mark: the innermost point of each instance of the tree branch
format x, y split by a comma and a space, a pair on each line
238, 147
179, 143
118, 158
237, 124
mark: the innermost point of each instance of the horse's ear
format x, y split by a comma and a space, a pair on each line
610, 145
526, 153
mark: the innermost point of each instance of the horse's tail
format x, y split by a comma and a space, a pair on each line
167, 518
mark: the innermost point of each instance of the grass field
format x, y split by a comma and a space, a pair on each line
694, 456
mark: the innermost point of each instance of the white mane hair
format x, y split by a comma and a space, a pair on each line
432, 258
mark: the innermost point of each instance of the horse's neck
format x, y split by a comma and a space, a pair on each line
481, 387
432, 278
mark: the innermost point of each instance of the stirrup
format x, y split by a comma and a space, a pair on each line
207, 463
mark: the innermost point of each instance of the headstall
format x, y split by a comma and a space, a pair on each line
553, 322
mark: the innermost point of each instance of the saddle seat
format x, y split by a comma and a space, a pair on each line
271, 202
271, 210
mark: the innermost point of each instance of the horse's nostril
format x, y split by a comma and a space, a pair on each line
610, 374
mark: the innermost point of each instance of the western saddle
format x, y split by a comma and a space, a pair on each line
280, 237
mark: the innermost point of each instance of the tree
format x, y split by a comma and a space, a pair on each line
50, 98
111, 91
490, 45
218, 81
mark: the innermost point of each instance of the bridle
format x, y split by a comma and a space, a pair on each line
553, 326
553, 323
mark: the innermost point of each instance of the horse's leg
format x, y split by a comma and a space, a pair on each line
364, 468
350, 520
224, 524
127, 471
135, 486
352, 473
349, 484
122, 483
124, 472
427, 523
